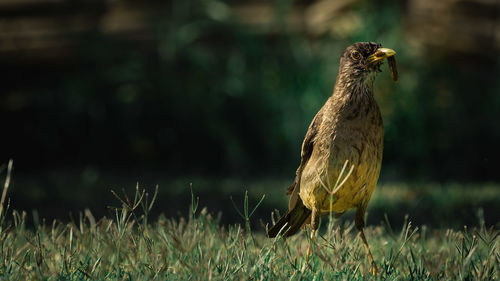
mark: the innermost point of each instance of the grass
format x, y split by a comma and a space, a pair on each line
198, 247
435, 205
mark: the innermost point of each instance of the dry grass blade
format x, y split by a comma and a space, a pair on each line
6, 186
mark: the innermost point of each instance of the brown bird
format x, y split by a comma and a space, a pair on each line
348, 129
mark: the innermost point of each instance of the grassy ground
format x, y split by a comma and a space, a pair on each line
58, 194
129, 247
197, 246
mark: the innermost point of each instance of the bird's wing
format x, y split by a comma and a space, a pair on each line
307, 148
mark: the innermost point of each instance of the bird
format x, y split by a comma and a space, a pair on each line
345, 138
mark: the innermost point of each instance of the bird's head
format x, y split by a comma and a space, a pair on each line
361, 62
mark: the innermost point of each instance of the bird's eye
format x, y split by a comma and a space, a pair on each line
355, 55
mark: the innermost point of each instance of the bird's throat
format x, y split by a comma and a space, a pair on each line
357, 91
353, 99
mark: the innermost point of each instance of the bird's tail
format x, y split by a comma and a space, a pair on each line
291, 222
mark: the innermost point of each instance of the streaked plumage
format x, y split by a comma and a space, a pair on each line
347, 127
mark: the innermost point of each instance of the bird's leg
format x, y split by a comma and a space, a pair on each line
314, 226
360, 224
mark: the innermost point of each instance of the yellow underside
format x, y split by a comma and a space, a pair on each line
321, 188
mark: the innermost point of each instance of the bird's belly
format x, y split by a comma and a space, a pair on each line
322, 188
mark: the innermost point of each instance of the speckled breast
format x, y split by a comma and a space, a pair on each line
323, 186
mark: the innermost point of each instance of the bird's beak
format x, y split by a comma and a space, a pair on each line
380, 54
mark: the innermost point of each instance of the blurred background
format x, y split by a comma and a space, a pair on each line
101, 95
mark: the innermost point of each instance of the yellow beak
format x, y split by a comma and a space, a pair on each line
380, 54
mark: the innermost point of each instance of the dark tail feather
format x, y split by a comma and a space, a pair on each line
295, 219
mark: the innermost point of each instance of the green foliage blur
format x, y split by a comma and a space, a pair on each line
209, 94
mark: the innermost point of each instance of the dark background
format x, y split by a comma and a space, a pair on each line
99, 95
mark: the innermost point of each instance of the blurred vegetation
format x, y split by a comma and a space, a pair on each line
433, 205
207, 93
203, 94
